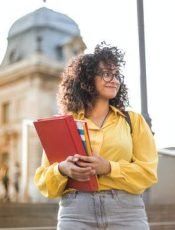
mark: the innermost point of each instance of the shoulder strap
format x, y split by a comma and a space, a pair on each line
128, 119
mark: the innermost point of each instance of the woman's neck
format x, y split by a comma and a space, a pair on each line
100, 109
99, 113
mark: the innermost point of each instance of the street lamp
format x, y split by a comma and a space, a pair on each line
143, 83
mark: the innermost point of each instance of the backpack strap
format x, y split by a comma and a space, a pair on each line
128, 119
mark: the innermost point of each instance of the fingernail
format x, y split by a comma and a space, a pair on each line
75, 159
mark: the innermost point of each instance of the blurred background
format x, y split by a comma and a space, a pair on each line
37, 39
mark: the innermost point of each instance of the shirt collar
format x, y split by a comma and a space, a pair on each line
115, 110
81, 114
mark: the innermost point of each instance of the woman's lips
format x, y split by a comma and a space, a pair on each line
111, 86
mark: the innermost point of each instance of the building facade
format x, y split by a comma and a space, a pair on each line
164, 191
39, 46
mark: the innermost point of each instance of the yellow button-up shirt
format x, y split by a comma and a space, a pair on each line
133, 157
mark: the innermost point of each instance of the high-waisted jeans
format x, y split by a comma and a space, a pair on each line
105, 210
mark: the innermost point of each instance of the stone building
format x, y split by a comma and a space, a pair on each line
39, 46
164, 191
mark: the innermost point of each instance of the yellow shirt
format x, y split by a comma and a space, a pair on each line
133, 157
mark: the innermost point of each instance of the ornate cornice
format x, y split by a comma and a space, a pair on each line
36, 63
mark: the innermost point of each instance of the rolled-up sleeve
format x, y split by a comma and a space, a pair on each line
141, 172
50, 182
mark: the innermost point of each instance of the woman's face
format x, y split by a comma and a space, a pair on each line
106, 82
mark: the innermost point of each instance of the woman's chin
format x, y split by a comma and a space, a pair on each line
112, 95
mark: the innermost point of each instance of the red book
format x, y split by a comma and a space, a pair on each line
60, 138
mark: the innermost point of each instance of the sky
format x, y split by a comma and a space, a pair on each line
115, 21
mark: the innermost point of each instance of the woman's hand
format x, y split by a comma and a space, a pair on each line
70, 169
96, 162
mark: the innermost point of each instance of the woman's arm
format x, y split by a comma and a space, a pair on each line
49, 180
134, 176
141, 173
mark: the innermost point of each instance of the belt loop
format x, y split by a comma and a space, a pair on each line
113, 193
75, 193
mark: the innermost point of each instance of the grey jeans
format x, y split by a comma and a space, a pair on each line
105, 210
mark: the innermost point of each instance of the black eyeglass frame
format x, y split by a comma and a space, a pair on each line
110, 76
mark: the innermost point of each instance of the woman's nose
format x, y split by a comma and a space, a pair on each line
115, 80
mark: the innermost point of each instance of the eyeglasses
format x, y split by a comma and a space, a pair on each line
107, 76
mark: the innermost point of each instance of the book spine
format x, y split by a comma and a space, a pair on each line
81, 131
92, 184
75, 135
88, 142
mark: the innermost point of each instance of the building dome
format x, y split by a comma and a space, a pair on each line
44, 17
51, 33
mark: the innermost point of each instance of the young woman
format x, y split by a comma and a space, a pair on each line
125, 162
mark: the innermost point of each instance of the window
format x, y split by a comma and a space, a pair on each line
60, 53
75, 52
14, 56
4, 157
5, 112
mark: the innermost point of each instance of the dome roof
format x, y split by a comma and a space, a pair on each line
48, 32
44, 17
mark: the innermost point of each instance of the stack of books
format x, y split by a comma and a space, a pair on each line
84, 134
62, 136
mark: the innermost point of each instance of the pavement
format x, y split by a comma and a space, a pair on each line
43, 216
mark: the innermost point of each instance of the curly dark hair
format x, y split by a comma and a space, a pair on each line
77, 90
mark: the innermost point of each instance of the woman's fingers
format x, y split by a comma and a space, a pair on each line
80, 170
82, 174
83, 163
85, 158
72, 159
78, 157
